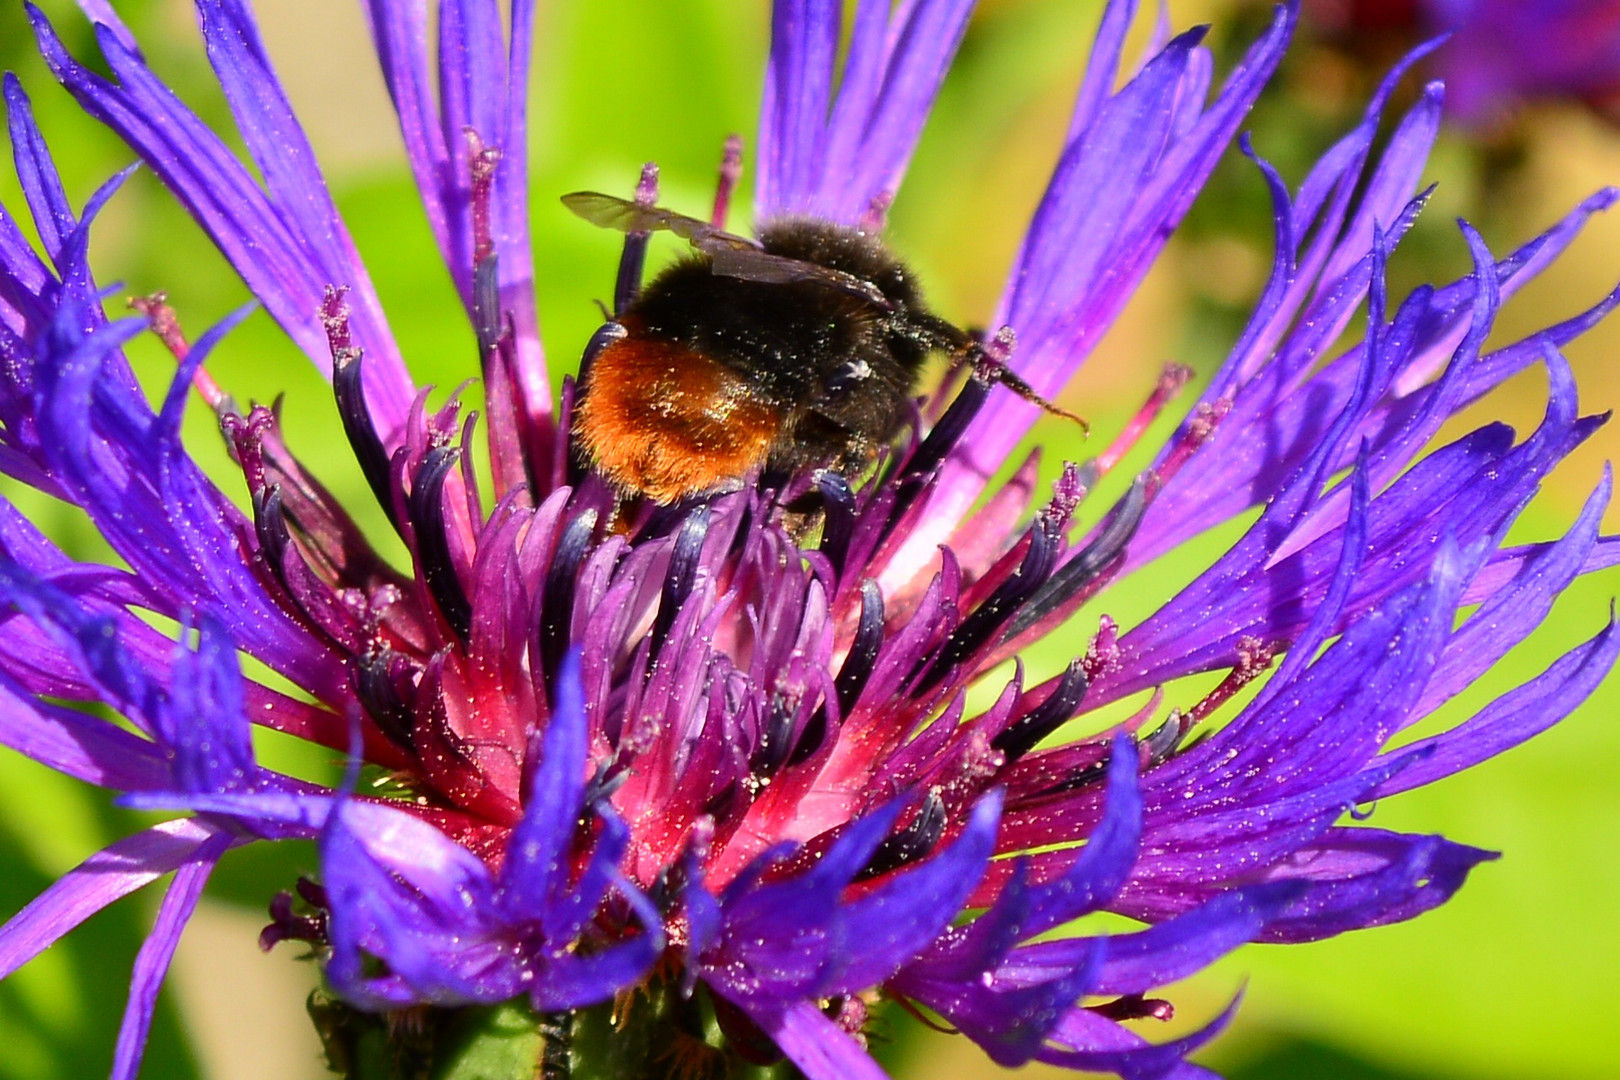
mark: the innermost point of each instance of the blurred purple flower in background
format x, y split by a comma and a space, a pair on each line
688, 767
1499, 53
1506, 51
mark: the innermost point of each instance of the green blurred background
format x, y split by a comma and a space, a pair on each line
1512, 979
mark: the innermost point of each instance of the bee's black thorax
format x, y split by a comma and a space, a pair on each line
838, 368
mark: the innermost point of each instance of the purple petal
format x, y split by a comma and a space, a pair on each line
819, 1047
130, 474
47, 201
262, 235
1358, 878
1278, 417
1184, 945
206, 722
895, 922
1135, 1059
401, 892
1009, 1018
538, 858
784, 939
1514, 717
113, 872
84, 747
152, 962
1077, 267
1509, 613
285, 808
842, 159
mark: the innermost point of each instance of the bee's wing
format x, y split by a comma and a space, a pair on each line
627, 216
752, 264
731, 255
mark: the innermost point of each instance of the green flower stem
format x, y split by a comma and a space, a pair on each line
656, 1033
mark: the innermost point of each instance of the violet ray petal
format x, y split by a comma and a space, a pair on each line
784, 939
283, 807
1509, 614
1324, 195
1393, 182
1146, 1061
819, 1047
86, 748
1167, 191
205, 723
566, 979
1515, 716
156, 509
42, 188
1357, 690
918, 56
286, 161
1155, 209
537, 860
1105, 862
399, 32
1397, 445
510, 225
574, 981
1010, 1022
1271, 414
66, 240
1507, 563
1329, 720
865, 60
402, 892
571, 908
1173, 950
101, 11
1358, 877
1232, 845
1328, 614
66, 611
90, 645
196, 713
483, 87
898, 920
1077, 225
152, 961
472, 72
24, 278
798, 90
285, 269
837, 156
113, 872
966, 953
1102, 67
1471, 488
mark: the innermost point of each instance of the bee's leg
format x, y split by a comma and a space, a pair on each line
628, 284
730, 170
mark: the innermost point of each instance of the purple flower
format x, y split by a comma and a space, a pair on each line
1500, 52
695, 760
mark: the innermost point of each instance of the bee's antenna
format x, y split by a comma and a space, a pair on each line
990, 365
1002, 374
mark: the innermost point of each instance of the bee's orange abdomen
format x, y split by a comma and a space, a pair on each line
661, 420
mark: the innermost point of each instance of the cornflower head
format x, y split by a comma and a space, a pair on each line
695, 784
